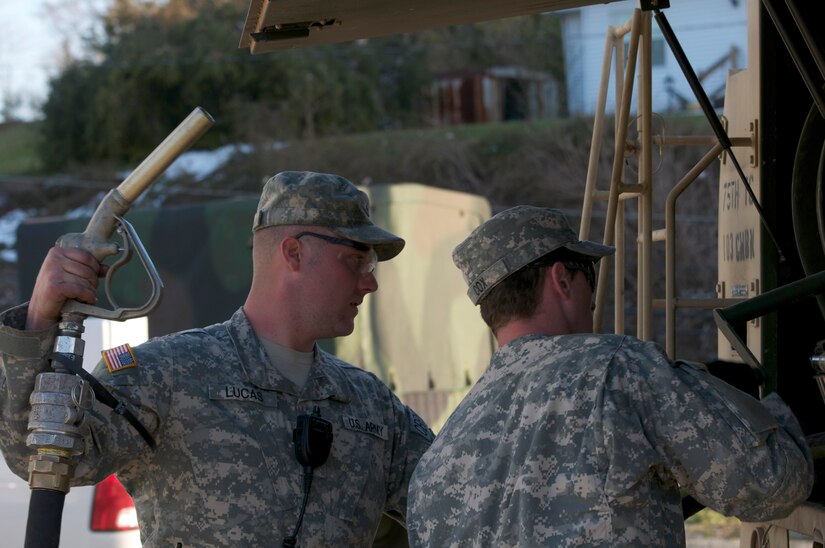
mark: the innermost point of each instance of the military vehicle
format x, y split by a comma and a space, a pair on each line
771, 225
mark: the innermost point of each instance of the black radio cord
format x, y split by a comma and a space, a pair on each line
289, 542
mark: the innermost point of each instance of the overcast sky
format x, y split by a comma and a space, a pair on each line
26, 47
30, 42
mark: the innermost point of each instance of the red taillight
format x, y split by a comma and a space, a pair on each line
113, 509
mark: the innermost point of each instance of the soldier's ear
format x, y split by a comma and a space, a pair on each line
292, 252
558, 280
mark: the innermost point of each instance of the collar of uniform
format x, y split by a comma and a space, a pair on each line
325, 380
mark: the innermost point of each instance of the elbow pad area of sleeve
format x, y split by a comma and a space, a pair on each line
745, 415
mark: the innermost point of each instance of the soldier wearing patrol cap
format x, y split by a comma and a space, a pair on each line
222, 402
576, 439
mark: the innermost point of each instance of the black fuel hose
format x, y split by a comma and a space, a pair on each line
45, 515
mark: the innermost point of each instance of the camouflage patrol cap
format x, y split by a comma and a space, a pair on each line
512, 239
323, 199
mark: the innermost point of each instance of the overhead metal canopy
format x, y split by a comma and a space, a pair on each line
273, 25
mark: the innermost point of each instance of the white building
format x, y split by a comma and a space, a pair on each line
712, 33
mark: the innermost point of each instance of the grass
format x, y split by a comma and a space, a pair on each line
708, 523
18, 148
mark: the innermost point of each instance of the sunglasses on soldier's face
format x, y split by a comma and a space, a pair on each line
585, 266
361, 264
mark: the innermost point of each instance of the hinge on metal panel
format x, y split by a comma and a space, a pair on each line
754, 287
287, 31
754, 155
724, 121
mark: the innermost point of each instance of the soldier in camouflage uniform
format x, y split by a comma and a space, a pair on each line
221, 402
576, 439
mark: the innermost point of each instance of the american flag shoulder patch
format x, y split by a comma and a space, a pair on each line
119, 358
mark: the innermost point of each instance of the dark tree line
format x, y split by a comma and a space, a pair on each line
153, 63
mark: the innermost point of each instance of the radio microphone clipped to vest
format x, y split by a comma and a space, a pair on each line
312, 438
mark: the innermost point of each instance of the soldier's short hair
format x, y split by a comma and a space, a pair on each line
517, 296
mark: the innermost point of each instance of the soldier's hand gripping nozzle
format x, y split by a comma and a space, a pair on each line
60, 398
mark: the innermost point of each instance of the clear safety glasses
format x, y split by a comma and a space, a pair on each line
361, 263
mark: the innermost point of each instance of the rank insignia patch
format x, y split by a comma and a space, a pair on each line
418, 425
119, 358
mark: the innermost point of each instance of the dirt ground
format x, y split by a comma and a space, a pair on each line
696, 541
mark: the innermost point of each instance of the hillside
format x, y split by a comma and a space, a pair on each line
18, 148
541, 163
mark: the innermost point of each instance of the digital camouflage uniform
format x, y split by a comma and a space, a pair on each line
583, 440
224, 472
586, 440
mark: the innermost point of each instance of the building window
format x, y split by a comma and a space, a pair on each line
657, 50
657, 41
